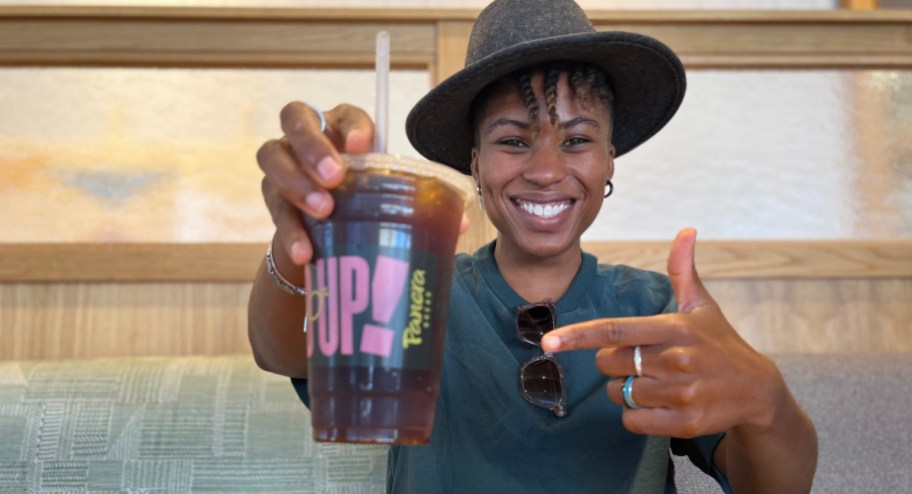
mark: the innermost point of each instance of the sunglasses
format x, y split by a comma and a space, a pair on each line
540, 379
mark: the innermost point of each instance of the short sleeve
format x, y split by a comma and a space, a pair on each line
300, 387
700, 452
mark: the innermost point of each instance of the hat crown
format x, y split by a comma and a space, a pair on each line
507, 23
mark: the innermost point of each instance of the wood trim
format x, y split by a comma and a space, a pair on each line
129, 262
720, 259
176, 38
859, 4
432, 15
452, 43
238, 262
258, 37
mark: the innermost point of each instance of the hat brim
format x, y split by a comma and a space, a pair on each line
646, 77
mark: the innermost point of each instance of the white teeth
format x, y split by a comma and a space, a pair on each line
544, 211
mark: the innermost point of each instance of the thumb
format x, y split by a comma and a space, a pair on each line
682, 272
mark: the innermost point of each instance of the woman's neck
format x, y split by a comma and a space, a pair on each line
537, 278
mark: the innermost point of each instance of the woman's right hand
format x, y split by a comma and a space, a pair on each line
301, 166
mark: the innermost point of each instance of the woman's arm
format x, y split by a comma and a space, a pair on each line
698, 377
275, 320
300, 168
779, 456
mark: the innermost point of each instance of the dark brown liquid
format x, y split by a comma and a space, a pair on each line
373, 404
383, 404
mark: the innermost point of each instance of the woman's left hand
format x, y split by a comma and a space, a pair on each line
698, 376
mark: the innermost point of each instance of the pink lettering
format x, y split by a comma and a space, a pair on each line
308, 322
346, 287
387, 287
354, 273
377, 341
329, 334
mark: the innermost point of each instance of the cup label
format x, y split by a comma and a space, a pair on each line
371, 306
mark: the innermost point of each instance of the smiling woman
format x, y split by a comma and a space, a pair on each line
538, 114
852, 95
542, 158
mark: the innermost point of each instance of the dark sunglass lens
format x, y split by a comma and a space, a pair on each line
541, 382
533, 322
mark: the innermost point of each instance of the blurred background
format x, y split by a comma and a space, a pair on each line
128, 133
151, 154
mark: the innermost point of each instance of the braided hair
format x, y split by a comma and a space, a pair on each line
589, 84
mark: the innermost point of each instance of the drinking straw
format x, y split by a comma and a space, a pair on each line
381, 117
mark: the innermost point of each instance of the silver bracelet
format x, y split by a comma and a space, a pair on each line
280, 281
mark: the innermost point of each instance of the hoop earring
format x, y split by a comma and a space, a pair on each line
480, 199
609, 188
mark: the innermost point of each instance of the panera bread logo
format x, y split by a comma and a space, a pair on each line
419, 310
360, 305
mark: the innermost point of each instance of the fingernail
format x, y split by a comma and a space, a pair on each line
328, 168
299, 253
357, 141
317, 201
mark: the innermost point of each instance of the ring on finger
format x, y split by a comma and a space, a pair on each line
628, 393
638, 361
319, 115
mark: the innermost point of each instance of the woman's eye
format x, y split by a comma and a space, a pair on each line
512, 141
577, 141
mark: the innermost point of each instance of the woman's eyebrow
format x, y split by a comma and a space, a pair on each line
502, 122
580, 121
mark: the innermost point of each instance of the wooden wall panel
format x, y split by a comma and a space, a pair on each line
81, 320
317, 37
819, 316
238, 262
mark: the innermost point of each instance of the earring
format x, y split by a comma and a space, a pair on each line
609, 188
480, 199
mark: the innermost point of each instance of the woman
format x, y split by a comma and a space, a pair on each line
538, 116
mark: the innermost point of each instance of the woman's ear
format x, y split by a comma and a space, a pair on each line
474, 166
477, 177
609, 172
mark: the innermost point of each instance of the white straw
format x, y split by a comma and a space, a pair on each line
381, 117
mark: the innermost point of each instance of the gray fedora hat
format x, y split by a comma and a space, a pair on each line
646, 77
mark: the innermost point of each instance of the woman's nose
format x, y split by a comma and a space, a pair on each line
546, 165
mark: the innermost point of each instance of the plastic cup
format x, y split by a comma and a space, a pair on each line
380, 291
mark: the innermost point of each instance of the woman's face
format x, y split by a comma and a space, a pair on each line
541, 192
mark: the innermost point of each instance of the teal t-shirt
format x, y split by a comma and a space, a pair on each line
488, 439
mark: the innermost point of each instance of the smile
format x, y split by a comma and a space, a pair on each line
544, 210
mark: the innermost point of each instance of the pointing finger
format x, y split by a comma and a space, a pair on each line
612, 332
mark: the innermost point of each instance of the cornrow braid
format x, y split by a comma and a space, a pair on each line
595, 79
581, 85
530, 101
552, 76
585, 80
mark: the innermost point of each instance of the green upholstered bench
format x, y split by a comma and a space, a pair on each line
219, 424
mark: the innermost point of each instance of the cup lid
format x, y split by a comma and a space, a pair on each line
416, 166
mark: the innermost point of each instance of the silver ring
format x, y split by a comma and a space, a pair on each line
628, 393
320, 115
638, 360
